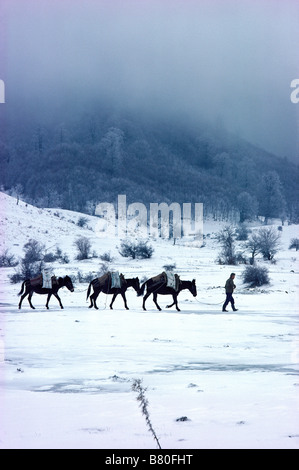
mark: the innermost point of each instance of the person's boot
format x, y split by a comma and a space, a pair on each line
235, 309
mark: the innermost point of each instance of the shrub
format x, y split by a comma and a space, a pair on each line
62, 257
144, 250
83, 246
33, 251
255, 276
32, 264
294, 243
169, 267
88, 277
57, 256
82, 222
136, 249
106, 257
7, 260
50, 258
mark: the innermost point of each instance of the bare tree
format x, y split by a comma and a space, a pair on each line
253, 245
269, 242
83, 246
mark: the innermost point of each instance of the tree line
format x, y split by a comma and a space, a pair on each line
76, 165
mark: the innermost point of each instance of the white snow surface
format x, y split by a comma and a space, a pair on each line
66, 375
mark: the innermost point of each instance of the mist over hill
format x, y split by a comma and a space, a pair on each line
105, 152
168, 101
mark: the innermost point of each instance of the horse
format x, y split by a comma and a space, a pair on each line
30, 289
163, 289
103, 284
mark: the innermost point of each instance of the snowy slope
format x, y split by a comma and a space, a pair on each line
21, 221
66, 375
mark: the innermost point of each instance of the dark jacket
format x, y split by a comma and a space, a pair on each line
229, 286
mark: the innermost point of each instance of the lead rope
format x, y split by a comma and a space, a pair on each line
207, 303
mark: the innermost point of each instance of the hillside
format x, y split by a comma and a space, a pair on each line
99, 156
21, 222
58, 228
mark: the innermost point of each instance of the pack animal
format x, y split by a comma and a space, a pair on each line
30, 286
158, 285
103, 284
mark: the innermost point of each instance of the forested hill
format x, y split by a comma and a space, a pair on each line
94, 158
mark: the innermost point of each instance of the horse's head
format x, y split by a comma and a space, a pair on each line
193, 289
135, 284
68, 283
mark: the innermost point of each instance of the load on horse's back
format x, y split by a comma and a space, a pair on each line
117, 280
47, 274
46, 279
166, 278
111, 283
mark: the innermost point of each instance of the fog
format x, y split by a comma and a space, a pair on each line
225, 61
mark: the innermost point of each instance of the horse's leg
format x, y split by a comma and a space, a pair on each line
94, 298
94, 302
171, 305
22, 298
155, 295
57, 297
125, 300
29, 299
90, 299
175, 299
113, 298
48, 299
144, 299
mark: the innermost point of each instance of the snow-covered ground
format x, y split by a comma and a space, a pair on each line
66, 375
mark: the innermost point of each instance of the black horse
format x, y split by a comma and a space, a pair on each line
103, 284
30, 289
163, 289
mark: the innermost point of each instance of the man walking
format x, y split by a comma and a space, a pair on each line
229, 289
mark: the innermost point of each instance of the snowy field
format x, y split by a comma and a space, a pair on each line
66, 375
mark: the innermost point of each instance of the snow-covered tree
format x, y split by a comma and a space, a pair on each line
271, 200
247, 205
113, 145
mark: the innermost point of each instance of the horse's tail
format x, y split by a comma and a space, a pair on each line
88, 290
22, 288
141, 290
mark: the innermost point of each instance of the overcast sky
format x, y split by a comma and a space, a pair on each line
230, 60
